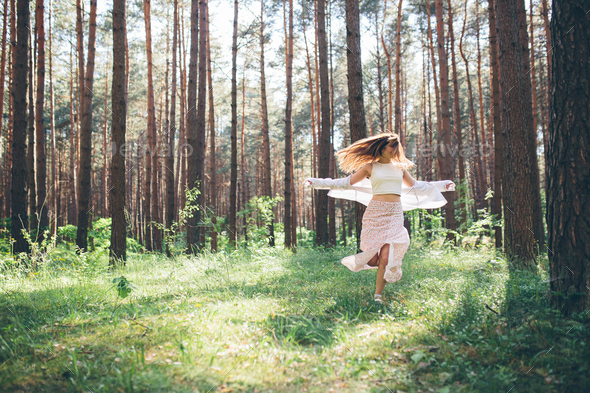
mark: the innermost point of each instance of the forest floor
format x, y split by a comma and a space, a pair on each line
267, 320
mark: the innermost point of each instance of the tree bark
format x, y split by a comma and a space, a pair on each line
32, 189
516, 124
324, 150
201, 115
457, 111
478, 175
356, 105
54, 185
448, 162
192, 230
535, 198
118, 248
73, 202
172, 133
234, 133
212, 164
2, 82
288, 218
85, 170
41, 168
569, 149
398, 61
20, 221
497, 125
436, 95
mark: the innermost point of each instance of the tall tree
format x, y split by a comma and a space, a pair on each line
32, 184
535, 198
73, 201
448, 161
569, 149
202, 96
212, 163
41, 171
497, 125
457, 108
398, 62
267, 185
192, 230
151, 128
436, 91
324, 140
20, 220
118, 249
288, 219
85, 170
3, 80
478, 175
172, 132
54, 184
516, 119
234, 132
356, 105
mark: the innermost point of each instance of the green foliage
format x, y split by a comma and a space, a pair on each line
259, 213
260, 318
68, 232
123, 286
174, 244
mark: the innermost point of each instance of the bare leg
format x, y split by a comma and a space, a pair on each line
374, 261
383, 259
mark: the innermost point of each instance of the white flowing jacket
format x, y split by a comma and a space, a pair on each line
423, 195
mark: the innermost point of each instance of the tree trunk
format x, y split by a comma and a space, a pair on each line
324, 150
356, 105
118, 249
105, 209
448, 162
287, 220
535, 198
31, 137
201, 115
569, 149
192, 230
73, 202
457, 112
41, 171
516, 121
172, 133
54, 184
234, 133
478, 174
497, 125
398, 62
436, 96
85, 170
266, 167
212, 165
2, 81
151, 131
483, 163
20, 220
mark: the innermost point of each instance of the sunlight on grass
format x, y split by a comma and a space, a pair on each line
269, 320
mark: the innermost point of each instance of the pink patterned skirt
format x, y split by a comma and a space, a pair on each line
383, 222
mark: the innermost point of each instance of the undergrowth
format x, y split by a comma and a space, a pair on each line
263, 319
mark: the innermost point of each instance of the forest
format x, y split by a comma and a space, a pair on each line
156, 232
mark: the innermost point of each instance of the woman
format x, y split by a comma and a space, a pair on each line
384, 239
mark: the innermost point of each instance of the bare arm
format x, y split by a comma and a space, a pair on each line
361, 174
408, 180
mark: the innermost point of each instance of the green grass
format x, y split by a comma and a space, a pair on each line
265, 320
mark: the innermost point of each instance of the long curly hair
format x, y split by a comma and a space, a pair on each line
368, 150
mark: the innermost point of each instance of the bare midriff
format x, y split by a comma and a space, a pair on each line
387, 198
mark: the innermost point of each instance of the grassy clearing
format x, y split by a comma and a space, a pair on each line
265, 320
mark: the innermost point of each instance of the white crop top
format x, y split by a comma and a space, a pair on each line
386, 179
